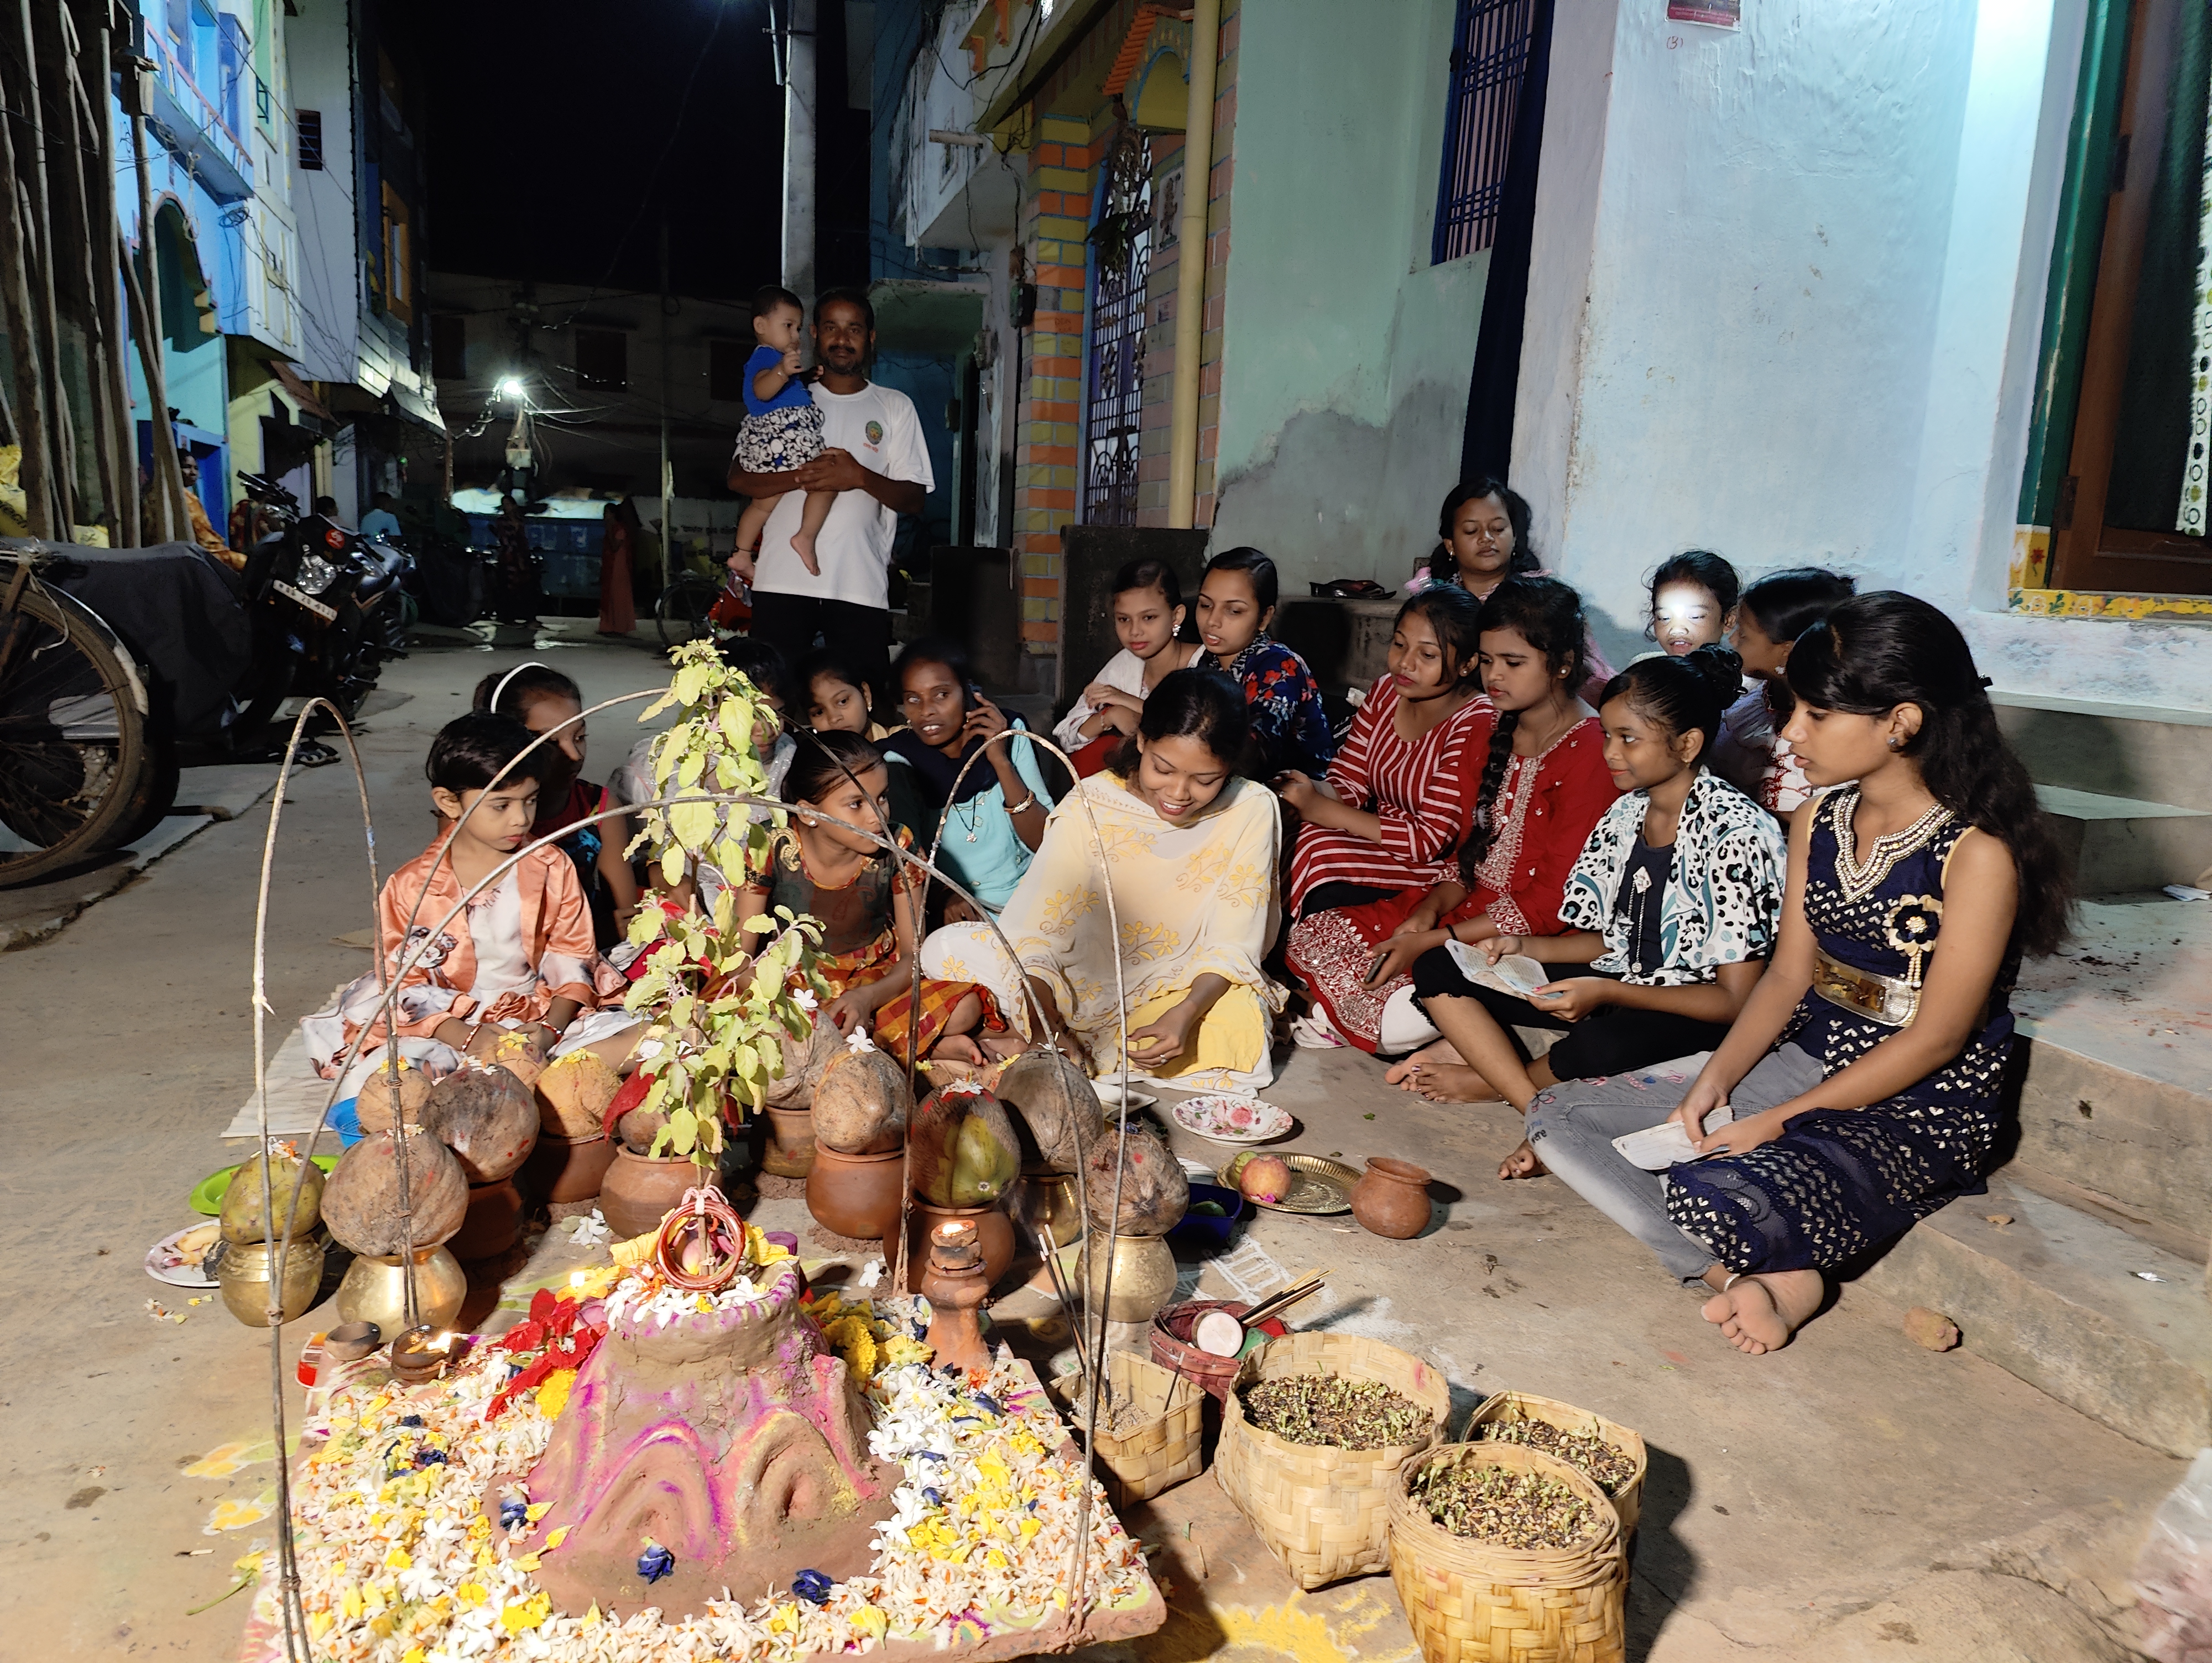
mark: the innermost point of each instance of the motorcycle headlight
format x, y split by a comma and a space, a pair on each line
316, 573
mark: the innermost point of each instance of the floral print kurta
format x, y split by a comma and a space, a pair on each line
1289, 726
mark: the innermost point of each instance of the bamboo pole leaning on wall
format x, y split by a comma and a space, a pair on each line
32, 153
78, 200
34, 432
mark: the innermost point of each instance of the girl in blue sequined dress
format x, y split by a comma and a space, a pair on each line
1864, 1072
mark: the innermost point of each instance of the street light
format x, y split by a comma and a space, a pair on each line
509, 387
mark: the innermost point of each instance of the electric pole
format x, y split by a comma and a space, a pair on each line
800, 80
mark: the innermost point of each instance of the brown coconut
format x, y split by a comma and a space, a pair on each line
804, 1061
522, 1054
962, 1148
1054, 1102
573, 1095
360, 1201
373, 1105
1155, 1194
636, 1130
487, 1117
861, 1102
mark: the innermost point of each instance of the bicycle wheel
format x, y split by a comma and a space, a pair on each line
681, 612
73, 742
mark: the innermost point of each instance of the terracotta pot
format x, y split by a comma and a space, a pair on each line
640, 1191
1392, 1199
374, 1290
994, 1234
856, 1195
790, 1151
568, 1170
492, 1225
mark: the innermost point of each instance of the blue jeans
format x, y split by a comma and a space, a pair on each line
1572, 1127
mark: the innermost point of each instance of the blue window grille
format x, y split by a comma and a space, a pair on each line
232, 54
1489, 62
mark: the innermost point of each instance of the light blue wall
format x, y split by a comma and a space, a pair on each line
1346, 355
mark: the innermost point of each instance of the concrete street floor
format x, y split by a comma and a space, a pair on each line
1850, 1497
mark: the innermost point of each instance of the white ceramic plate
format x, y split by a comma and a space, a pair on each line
1109, 1093
1224, 1118
163, 1264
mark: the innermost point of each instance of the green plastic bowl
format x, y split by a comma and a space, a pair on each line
207, 1194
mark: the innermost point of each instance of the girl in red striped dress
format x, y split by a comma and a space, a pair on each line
1542, 783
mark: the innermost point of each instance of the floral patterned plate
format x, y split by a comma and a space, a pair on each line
1224, 1118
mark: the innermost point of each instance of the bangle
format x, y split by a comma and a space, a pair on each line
1026, 804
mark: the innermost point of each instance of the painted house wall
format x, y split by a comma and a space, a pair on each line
1346, 354
1814, 252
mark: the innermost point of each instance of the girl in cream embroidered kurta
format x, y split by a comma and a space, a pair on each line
1193, 901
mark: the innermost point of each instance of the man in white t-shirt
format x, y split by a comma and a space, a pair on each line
874, 457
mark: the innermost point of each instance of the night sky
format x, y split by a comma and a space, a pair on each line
547, 128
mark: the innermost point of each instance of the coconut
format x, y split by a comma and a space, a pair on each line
242, 1219
487, 1117
1057, 1105
361, 1202
522, 1054
1155, 1194
862, 1103
573, 1095
804, 1061
963, 1147
373, 1106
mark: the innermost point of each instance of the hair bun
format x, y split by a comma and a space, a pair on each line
1721, 668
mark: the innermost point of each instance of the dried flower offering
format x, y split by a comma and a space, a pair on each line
1504, 1508
1345, 1414
1609, 1468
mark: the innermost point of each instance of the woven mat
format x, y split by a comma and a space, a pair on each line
296, 1095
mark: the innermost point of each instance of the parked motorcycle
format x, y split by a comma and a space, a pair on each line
328, 607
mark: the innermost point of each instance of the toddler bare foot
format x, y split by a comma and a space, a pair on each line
1758, 1313
958, 1048
1524, 1162
802, 544
1400, 1072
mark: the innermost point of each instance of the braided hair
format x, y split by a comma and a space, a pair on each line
1548, 615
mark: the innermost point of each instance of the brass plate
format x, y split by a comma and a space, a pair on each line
1318, 1185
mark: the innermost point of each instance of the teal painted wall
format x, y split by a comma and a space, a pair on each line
1344, 353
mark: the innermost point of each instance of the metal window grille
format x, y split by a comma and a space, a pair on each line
1122, 266
310, 125
1489, 62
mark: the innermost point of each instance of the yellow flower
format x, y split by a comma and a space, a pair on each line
526, 1563
553, 1538
553, 1395
871, 1621
592, 1617
247, 1564
537, 1510
320, 1624
598, 1281
399, 1559
350, 1600
479, 1528
471, 1594
381, 1627
527, 1613
785, 1620
414, 1654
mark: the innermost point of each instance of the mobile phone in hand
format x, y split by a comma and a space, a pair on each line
1375, 968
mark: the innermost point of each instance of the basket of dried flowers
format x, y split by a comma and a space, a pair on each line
1312, 1437
1502, 1554
1607, 1452
1149, 1424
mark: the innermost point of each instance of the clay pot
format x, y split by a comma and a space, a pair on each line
243, 1276
1392, 1199
492, 1225
994, 1234
856, 1195
374, 1290
566, 1170
955, 1285
790, 1152
640, 1191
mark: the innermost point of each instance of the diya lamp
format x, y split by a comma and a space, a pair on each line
350, 1342
421, 1353
955, 1285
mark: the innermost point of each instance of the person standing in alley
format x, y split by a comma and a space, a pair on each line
380, 521
617, 603
875, 458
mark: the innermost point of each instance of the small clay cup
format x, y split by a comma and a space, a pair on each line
1392, 1198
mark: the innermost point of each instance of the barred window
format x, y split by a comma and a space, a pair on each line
1489, 62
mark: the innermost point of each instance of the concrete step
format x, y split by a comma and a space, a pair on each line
2113, 749
2120, 843
2079, 1307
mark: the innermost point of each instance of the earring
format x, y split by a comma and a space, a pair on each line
1896, 741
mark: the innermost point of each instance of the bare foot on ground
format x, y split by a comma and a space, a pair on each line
1524, 1162
1436, 1052
1759, 1314
1452, 1082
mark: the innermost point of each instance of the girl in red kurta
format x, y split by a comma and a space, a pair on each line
518, 960
1544, 784
1401, 793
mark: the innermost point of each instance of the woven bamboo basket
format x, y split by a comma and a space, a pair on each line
1509, 1406
1469, 1602
1160, 1454
1324, 1512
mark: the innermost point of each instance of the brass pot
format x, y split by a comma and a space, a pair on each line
374, 1290
243, 1276
1045, 1200
1144, 1275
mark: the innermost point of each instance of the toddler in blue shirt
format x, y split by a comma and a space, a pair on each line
782, 427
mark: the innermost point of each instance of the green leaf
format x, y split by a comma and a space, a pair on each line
671, 865
684, 1130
